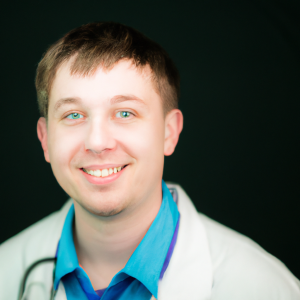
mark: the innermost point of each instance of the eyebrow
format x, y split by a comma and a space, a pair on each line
114, 100
122, 98
64, 101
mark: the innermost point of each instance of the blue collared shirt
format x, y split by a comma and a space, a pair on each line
140, 276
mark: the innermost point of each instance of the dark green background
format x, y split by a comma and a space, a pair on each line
238, 155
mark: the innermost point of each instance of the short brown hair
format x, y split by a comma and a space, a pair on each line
105, 43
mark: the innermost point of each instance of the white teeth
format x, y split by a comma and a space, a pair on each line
104, 172
97, 173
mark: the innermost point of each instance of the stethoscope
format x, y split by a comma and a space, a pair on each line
30, 268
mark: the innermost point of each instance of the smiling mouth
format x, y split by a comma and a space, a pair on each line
104, 172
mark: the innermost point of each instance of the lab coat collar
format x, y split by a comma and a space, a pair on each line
189, 274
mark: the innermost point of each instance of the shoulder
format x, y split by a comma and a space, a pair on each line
37, 241
243, 270
240, 268
46, 229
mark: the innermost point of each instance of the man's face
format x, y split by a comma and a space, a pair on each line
108, 120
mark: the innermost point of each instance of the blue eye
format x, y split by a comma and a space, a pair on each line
74, 116
123, 114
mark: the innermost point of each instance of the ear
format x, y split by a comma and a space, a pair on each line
173, 128
43, 136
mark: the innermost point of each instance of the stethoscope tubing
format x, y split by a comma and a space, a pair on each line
29, 269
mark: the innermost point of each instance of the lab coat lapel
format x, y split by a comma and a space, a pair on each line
39, 281
61, 293
189, 274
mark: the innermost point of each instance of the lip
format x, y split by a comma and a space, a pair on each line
101, 167
102, 180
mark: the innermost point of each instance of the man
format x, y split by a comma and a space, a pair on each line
108, 98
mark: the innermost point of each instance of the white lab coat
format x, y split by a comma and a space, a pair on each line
210, 261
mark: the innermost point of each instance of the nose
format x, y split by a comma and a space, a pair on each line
99, 137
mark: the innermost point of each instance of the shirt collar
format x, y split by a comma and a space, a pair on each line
144, 264
66, 255
147, 260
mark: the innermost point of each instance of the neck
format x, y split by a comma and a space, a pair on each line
105, 244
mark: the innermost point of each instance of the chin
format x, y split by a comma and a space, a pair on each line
104, 210
106, 213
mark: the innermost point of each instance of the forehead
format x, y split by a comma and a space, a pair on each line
123, 78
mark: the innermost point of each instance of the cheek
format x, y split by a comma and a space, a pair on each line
143, 141
64, 144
